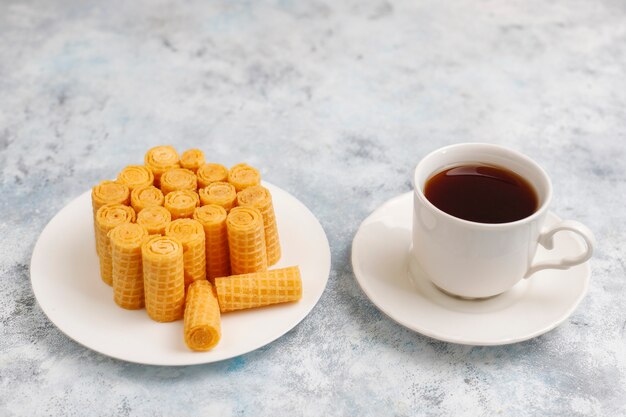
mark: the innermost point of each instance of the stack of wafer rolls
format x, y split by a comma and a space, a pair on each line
127, 272
135, 176
209, 173
191, 234
213, 219
154, 219
164, 279
242, 176
159, 159
146, 196
220, 193
178, 179
246, 240
260, 197
202, 323
181, 203
192, 159
108, 217
107, 192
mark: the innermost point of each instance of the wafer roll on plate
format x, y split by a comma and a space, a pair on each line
126, 240
202, 325
146, 196
213, 219
243, 176
178, 179
135, 176
159, 159
191, 234
182, 203
107, 192
220, 193
246, 240
259, 289
259, 197
163, 277
209, 173
192, 159
154, 219
108, 217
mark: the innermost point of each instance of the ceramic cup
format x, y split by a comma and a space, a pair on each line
479, 260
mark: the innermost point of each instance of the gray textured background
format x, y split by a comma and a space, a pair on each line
335, 101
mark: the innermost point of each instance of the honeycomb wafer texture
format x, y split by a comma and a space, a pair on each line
213, 219
192, 159
108, 217
260, 197
220, 193
135, 176
154, 219
191, 234
146, 196
159, 159
259, 289
209, 173
126, 240
164, 280
182, 203
178, 179
202, 325
107, 192
246, 240
243, 176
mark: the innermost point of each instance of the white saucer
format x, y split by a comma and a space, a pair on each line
66, 282
380, 256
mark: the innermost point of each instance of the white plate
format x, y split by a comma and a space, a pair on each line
380, 256
66, 281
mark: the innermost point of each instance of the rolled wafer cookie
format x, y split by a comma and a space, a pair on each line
259, 289
202, 322
209, 173
107, 192
260, 197
220, 193
246, 240
192, 159
191, 234
154, 219
159, 159
178, 179
213, 219
182, 203
163, 277
126, 240
146, 196
243, 176
108, 217
135, 176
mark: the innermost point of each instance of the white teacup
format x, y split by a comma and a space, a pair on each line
478, 260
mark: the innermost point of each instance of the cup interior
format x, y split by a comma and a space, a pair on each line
466, 153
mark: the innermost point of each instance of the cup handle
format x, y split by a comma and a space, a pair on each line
546, 239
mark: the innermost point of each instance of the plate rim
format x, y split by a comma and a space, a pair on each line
201, 358
433, 334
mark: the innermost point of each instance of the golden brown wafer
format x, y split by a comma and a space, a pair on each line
191, 234
209, 173
154, 219
135, 176
146, 196
213, 219
107, 192
246, 240
192, 159
107, 217
126, 240
178, 179
220, 193
243, 176
202, 326
260, 197
159, 159
182, 203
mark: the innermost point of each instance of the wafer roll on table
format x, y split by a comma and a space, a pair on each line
246, 240
163, 277
182, 203
107, 192
146, 196
202, 322
191, 234
159, 159
192, 159
260, 197
213, 219
243, 176
259, 289
108, 217
135, 176
126, 240
220, 193
209, 173
178, 179
154, 219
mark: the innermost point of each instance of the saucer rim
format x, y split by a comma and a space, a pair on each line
434, 335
